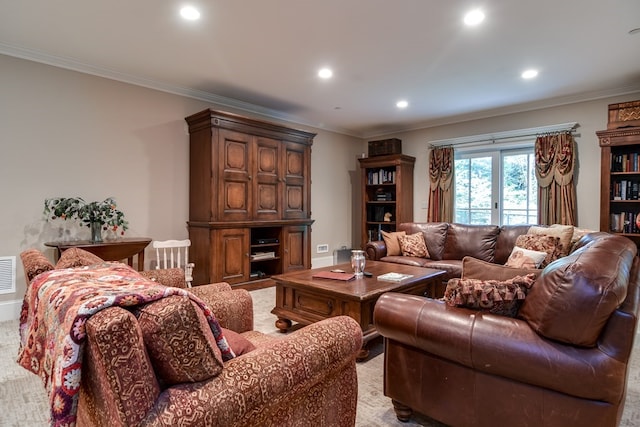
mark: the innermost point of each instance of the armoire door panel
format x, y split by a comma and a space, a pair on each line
296, 183
235, 187
296, 248
268, 182
232, 255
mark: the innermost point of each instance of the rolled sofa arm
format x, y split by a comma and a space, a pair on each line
376, 250
313, 367
232, 307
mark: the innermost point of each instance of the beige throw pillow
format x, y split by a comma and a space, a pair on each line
392, 243
413, 245
525, 258
541, 243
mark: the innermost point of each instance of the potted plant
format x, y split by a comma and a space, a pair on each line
97, 216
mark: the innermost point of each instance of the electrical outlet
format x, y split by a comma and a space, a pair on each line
322, 249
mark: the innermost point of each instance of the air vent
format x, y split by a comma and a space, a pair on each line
7, 274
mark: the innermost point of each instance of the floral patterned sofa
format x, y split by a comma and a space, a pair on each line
185, 358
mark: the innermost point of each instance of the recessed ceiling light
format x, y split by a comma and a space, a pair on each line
190, 13
402, 104
529, 74
325, 73
474, 17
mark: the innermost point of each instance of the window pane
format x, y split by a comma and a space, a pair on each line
474, 192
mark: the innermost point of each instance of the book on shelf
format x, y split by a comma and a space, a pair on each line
258, 256
394, 277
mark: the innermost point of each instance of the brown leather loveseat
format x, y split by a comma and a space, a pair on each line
562, 361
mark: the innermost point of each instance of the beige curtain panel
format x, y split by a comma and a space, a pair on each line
555, 160
441, 185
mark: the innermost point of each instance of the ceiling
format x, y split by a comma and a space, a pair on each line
263, 56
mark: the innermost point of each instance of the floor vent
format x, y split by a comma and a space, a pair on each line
7, 274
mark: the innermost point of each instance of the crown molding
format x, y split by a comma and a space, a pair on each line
105, 72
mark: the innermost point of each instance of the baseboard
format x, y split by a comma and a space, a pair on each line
10, 310
322, 262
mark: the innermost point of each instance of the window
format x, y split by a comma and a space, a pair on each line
496, 187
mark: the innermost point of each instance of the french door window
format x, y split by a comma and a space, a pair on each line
496, 187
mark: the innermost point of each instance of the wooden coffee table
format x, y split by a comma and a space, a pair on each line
305, 299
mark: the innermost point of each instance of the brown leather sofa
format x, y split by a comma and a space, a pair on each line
563, 361
449, 243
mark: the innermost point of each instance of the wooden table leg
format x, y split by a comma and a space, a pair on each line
283, 325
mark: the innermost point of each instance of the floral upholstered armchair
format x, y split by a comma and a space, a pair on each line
188, 357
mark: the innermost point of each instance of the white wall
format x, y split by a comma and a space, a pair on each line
64, 133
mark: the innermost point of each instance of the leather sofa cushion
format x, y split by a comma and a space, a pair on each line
478, 241
435, 234
473, 268
179, 340
575, 296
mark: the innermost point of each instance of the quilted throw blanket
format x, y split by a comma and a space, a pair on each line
55, 309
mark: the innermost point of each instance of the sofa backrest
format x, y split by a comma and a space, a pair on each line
435, 234
455, 241
507, 240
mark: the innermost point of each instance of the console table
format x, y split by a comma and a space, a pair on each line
112, 250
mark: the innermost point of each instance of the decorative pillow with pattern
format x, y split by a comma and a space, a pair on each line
497, 297
76, 257
563, 232
179, 341
413, 245
525, 258
541, 243
392, 243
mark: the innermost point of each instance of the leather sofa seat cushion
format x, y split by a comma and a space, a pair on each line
575, 296
179, 341
76, 257
473, 268
406, 260
435, 234
478, 241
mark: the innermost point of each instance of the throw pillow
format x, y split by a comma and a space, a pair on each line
562, 232
392, 243
578, 233
541, 243
76, 257
239, 344
413, 245
179, 341
495, 296
525, 258
473, 268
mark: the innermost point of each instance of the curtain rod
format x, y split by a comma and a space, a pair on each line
500, 136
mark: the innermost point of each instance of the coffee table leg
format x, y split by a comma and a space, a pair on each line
283, 324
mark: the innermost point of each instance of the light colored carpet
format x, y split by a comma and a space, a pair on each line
23, 401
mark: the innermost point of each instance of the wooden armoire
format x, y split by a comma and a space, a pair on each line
249, 198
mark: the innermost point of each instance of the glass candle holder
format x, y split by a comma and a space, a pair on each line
358, 261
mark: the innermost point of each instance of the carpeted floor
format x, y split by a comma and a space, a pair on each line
23, 401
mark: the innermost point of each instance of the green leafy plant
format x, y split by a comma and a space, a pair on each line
104, 213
